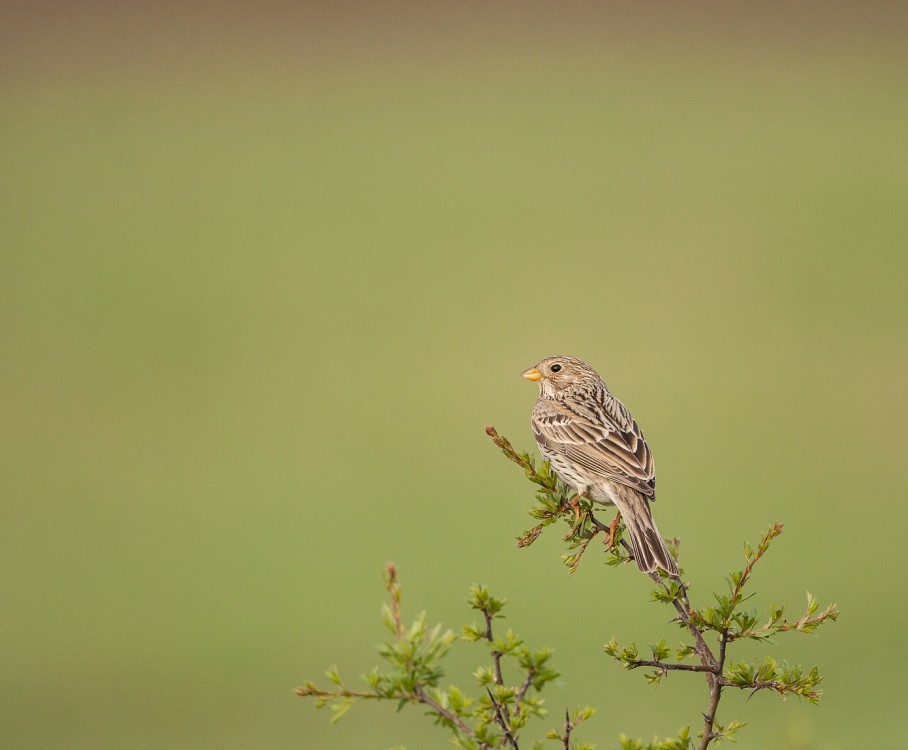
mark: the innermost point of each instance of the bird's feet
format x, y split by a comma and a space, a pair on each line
574, 502
612, 530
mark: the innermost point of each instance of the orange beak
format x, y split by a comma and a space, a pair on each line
532, 374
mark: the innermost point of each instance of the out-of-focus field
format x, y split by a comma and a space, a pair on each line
265, 276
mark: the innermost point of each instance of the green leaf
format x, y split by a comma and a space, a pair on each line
660, 650
331, 674
339, 709
811, 603
728, 732
684, 651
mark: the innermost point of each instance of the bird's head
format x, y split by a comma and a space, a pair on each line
556, 374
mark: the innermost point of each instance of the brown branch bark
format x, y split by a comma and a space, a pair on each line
421, 696
668, 666
715, 695
568, 728
504, 715
522, 692
508, 737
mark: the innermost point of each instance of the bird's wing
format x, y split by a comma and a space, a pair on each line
600, 447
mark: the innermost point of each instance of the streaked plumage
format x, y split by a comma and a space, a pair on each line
596, 447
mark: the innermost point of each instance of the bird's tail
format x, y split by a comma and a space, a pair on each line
649, 549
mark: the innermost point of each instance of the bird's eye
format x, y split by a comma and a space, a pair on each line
555, 368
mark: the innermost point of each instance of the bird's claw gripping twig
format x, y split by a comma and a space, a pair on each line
612, 530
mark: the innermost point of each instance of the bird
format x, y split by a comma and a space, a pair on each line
594, 445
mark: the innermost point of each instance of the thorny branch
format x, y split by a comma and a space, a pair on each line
502, 722
568, 728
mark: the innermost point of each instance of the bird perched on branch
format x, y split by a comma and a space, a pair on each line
594, 445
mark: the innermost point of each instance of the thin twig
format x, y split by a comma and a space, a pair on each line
501, 721
568, 728
502, 712
780, 687
669, 667
417, 696
342, 693
496, 655
762, 547
496, 659
421, 696
522, 692
394, 594
683, 608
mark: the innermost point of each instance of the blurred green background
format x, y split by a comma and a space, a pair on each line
267, 274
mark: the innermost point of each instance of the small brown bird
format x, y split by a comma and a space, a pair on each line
595, 446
